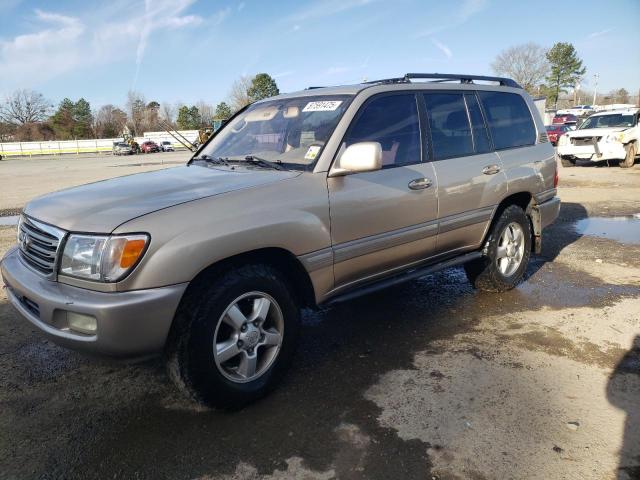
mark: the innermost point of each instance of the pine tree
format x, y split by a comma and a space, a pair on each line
566, 69
223, 111
262, 86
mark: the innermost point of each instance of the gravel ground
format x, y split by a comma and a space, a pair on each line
428, 380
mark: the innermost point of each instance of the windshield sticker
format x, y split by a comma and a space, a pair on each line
328, 106
312, 153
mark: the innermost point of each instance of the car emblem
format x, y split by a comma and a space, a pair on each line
25, 242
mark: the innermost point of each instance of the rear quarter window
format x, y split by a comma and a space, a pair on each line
509, 119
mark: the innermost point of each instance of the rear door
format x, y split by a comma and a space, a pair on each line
384, 219
470, 178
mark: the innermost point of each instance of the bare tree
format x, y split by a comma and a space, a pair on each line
239, 95
109, 121
136, 110
168, 112
206, 112
25, 106
527, 64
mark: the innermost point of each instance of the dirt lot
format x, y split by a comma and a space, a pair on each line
23, 179
429, 380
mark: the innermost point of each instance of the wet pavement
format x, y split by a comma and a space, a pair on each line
9, 220
426, 380
624, 229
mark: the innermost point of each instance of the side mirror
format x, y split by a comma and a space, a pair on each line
359, 157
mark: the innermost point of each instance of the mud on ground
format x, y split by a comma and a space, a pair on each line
426, 380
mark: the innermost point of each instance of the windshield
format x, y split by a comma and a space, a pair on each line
292, 131
608, 121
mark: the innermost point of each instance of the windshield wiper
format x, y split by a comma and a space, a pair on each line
210, 159
277, 165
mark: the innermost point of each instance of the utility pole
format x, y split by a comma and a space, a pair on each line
595, 88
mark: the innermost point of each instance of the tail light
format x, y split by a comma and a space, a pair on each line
556, 177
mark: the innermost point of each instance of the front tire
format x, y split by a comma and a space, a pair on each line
234, 336
630, 158
508, 249
568, 162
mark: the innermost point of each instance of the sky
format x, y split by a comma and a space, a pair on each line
184, 51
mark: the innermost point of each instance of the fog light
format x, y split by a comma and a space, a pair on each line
82, 323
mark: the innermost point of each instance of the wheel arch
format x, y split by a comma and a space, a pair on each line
279, 258
524, 200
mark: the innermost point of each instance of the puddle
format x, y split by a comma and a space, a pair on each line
624, 229
10, 220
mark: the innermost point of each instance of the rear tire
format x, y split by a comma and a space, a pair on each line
221, 352
508, 249
567, 162
630, 159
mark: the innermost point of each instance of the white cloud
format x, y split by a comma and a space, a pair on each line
336, 70
443, 48
465, 12
296, 28
160, 14
61, 43
284, 74
327, 8
219, 17
241, 6
45, 53
599, 33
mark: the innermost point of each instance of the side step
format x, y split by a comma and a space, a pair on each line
403, 277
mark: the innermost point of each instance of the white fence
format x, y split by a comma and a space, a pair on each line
54, 147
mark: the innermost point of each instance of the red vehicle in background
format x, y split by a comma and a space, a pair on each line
554, 132
149, 147
564, 119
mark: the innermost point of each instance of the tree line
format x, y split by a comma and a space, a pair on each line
552, 72
26, 115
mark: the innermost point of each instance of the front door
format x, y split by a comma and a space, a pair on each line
384, 219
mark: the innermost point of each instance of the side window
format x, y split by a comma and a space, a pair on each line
449, 125
480, 135
509, 119
392, 121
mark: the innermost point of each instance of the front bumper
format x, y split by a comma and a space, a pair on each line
129, 324
605, 151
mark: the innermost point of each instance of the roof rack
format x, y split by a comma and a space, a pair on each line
446, 77
443, 77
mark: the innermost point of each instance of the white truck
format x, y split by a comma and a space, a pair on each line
578, 111
611, 135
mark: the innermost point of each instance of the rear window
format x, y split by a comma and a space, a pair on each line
509, 119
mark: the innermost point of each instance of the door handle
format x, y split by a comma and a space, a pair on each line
491, 169
419, 183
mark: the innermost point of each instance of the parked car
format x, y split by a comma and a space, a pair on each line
608, 135
149, 147
564, 119
166, 146
554, 132
122, 148
301, 200
578, 111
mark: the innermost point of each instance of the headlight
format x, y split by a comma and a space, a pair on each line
614, 137
102, 258
563, 140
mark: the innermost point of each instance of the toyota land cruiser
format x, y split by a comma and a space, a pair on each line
299, 200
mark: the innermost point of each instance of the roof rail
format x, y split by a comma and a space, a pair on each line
443, 77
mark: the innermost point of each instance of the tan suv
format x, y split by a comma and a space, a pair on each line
301, 199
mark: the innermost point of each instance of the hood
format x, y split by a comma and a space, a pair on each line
595, 132
100, 207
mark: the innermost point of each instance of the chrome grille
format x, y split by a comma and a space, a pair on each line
39, 244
